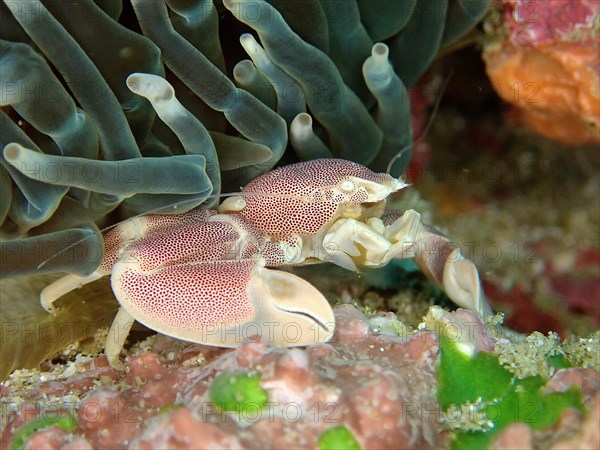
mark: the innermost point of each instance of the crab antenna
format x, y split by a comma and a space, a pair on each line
425, 132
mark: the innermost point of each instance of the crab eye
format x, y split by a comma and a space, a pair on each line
347, 186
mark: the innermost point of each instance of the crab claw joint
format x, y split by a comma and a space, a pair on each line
221, 303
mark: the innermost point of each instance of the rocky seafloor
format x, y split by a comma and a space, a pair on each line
375, 378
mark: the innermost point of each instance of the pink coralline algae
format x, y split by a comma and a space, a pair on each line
534, 23
544, 58
380, 385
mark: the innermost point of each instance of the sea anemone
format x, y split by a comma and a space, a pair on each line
92, 132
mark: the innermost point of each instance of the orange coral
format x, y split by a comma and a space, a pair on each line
543, 58
556, 87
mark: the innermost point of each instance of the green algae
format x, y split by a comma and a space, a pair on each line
168, 408
480, 397
338, 438
238, 392
66, 422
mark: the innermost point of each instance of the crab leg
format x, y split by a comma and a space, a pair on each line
63, 286
442, 262
117, 335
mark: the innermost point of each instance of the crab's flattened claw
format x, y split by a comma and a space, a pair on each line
135, 228
302, 314
221, 303
114, 241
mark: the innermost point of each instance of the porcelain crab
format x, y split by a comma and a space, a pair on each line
203, 277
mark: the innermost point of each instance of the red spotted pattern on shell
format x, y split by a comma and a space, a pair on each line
192, 295
200, 241
295, 198
115, 239
275, 255
158, 222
